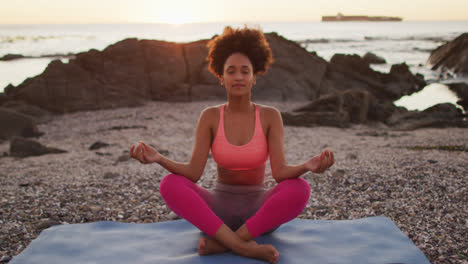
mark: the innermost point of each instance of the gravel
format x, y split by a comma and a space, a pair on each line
402, 175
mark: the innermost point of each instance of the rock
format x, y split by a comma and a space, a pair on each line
132, 71
296, 74
451, 57
98, 145
3, 98
38, 114
5, 259
22, 147
9, 57
352, 72
16, 124
373, 134
310, 119
371, 58
355, 103
440, 116
123, 158
461, 89
110, 175
8, 89
46, 223
173, 216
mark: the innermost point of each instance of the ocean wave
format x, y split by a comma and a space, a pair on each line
411, 38
15, 39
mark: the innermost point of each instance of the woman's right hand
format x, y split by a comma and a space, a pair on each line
144, 153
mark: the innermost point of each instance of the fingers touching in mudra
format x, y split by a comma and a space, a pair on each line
321, 162
144, 153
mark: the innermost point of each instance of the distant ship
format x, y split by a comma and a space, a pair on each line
342, 18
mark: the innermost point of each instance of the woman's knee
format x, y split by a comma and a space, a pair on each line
300, 188
169, 182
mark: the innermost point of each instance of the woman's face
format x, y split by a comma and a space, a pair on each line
238, 77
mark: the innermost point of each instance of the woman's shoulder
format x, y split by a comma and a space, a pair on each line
269, 113
211, 112
267, 110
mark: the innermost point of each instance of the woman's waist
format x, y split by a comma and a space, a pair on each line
241, 178
239, 188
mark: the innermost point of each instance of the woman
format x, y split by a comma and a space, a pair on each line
241, 135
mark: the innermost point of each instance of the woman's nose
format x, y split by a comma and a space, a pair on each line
238, 76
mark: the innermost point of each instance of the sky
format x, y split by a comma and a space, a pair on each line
202, 11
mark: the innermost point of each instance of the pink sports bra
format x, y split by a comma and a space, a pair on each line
245, 157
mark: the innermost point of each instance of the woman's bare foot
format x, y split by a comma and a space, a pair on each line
265, 252
208, 246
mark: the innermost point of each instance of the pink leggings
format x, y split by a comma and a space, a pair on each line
277, 206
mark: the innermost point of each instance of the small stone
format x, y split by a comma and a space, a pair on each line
111, 175
46, 223
98, 145
124, 158
173, 216
432, 161
5, 259
338, 173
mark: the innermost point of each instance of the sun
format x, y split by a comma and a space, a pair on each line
177, 17
175, 12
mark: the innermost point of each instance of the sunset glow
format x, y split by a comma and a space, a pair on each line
201, 11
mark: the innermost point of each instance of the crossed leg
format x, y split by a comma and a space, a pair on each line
190, 201
280, 205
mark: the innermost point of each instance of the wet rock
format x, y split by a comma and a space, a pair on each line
461, 89
9, 57
451, 57
440, 115
371, 58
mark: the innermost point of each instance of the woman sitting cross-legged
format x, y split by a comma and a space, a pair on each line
241, 135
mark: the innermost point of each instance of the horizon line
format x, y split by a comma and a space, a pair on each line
222, 22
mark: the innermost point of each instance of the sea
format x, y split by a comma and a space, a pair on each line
397, 42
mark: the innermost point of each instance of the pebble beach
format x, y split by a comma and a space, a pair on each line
416, 178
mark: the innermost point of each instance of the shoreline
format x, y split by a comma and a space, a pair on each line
375, 173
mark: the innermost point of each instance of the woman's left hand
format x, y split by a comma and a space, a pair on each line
320, 163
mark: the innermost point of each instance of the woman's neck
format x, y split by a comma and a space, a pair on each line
239, 105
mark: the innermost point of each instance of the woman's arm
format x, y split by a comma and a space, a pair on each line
194, 168
279, 168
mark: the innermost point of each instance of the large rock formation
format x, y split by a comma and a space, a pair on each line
132, 71
440, 115
451, 57
336, 109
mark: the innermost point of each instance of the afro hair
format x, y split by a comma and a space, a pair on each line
248, 41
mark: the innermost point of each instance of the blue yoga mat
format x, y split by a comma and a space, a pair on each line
368, 240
